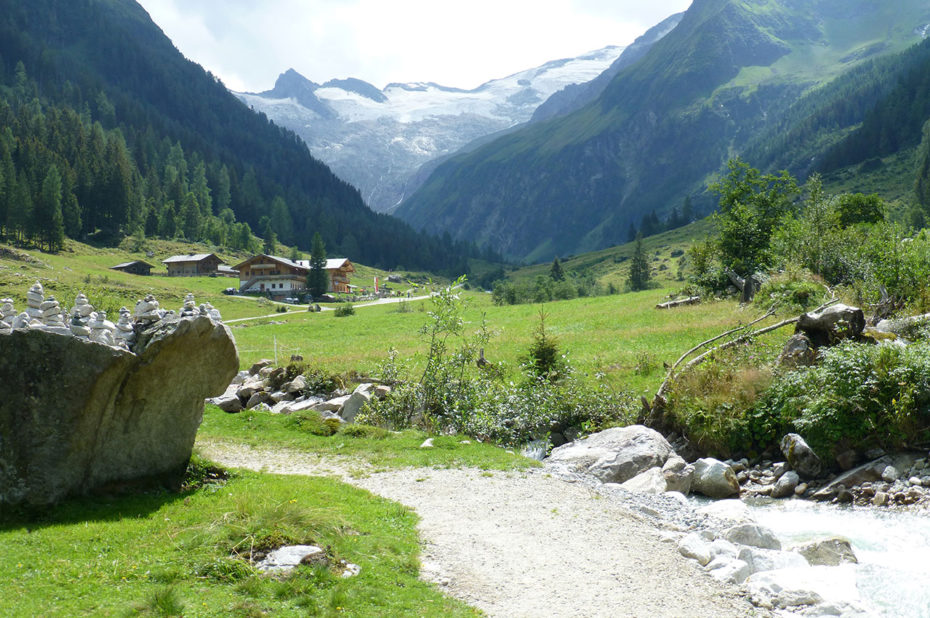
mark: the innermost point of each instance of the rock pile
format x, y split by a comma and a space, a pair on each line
267, 388
95, 404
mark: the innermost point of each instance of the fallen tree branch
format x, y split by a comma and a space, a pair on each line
691, 300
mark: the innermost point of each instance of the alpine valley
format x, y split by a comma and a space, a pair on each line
781, 81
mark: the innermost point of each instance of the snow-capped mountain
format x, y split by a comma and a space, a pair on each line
378, 139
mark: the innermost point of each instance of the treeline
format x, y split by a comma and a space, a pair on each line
146, 142
651, 224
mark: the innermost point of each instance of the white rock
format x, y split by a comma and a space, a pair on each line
727, 569
696, 547
652, 481
760, 559
890, 474
428, 443
288, 557
784, 588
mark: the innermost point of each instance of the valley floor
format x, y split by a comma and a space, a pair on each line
524, 543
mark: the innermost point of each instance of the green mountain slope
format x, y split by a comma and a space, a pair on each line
729, 71
143, 139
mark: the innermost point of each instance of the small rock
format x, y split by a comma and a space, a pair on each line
288, 557
890, 474
714, 479
786, 485
694, 546
801, 489
428, 443
800, 456
727, 510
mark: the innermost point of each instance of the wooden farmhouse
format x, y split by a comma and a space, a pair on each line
194, 265
136, 267
281, 277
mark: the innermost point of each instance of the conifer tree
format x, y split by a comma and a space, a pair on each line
317, 278
556, 273
47, 214
639, 267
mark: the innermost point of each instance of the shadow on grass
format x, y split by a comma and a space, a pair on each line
112, 504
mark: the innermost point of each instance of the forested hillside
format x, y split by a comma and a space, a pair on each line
106, 131
664, 126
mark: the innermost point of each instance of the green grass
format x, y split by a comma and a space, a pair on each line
372, 446
172, 554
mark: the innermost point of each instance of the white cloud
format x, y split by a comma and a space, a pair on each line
248, 44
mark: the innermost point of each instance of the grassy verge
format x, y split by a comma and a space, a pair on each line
179, 554
373, 446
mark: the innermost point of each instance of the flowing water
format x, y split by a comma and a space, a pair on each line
893, 548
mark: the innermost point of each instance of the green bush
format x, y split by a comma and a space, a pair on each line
859, 396
795, 291
345, 310
313, 422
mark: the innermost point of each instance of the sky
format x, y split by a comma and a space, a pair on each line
248, 44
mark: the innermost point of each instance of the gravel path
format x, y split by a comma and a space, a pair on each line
526, 543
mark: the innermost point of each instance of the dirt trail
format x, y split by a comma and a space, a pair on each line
526, 543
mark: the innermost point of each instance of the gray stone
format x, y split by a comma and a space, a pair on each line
678, 474
259, 365
380, 391
828, 552
296, 385
228, 403
798, 351
800, 456
831, 325
615, 455
652, 481
890, 474
714, 479
785, 485
354, 404
77, 416
778, 590
752, 535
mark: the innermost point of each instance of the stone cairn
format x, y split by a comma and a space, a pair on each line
84, 322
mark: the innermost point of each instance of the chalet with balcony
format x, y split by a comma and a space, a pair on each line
194, 265
281, 277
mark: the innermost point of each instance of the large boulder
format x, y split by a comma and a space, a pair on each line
714, 479
786, 484
615, 455
798, 351
831, 325
800, 456
652, 481
78, 415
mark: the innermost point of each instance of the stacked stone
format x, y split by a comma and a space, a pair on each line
124, 334
80, 317
211, 312
101, 329
146, 310
51, 317
189, 310
79, 327
7, 313
34, 299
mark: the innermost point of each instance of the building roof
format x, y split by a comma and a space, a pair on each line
225, 268
331, 264
193, 257
275, 258
128, 264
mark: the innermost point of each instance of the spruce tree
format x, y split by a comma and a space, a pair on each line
639, 267
556, 273
317, 278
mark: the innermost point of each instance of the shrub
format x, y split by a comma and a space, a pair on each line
795, 290
859, 396
313, 422
345, 310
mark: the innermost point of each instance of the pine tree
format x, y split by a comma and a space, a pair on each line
270, 239
317, 278
639, 267
922, 180
47, 214
556, 273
